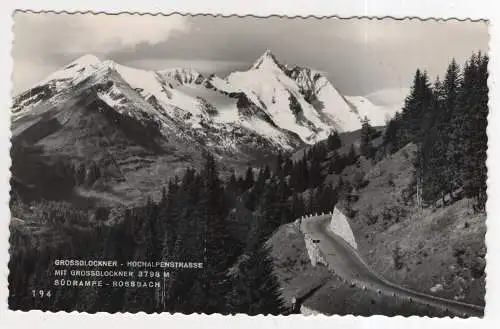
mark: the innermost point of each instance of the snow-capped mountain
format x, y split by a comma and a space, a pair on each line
143, 127
284, 107
377, 114
390, 97
297, 99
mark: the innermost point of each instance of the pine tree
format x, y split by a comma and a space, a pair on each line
429, 175
450, 128
264, 175
303, 175
475, 100
481, 138
279, 163
219, 243
267, 173
92, 174
367, 134
255, 289
163, 195
232, 184
394, 135
269, 209
249, 179
351, 157
438, 164
336, 163
328, 198
284, 192
298, 205
452, 148
315, 175
287, 166
80, 174
333, 141
415, 108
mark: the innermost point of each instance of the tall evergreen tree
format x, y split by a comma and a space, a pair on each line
298, 205
315, 174
80, 174
393, 138
217, 240
333, 141
264, 175
249, 179
451, 125
429, 162
351, 157
367, 134
475, 98
232, 184
270, 209
255, 289
415, 107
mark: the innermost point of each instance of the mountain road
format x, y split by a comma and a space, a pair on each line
346, 262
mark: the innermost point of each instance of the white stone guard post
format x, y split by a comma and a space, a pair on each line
313, 251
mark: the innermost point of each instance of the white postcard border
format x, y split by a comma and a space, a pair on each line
478, 9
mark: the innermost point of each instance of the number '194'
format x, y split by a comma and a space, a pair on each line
41, 293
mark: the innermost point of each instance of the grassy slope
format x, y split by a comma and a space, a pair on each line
386, 219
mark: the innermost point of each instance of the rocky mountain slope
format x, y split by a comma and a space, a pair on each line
142, 127
284, 105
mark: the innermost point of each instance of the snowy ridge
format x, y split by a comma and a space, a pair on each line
74, 72
70, 75
268, 62
300, 100
274, 93
325, 98
267, 105
377, 114
392, 97
181, 75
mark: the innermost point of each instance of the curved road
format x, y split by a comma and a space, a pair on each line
349, 265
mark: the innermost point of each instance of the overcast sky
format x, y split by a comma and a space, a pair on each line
359, 56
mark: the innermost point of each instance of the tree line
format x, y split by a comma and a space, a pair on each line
447, 120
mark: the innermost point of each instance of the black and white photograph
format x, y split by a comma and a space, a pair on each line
181, 163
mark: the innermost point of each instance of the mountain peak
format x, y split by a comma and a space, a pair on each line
75, 71
88, 59
268, 60
269, 53
182, 75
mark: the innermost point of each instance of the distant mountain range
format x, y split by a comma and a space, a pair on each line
154, 120
285, 106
